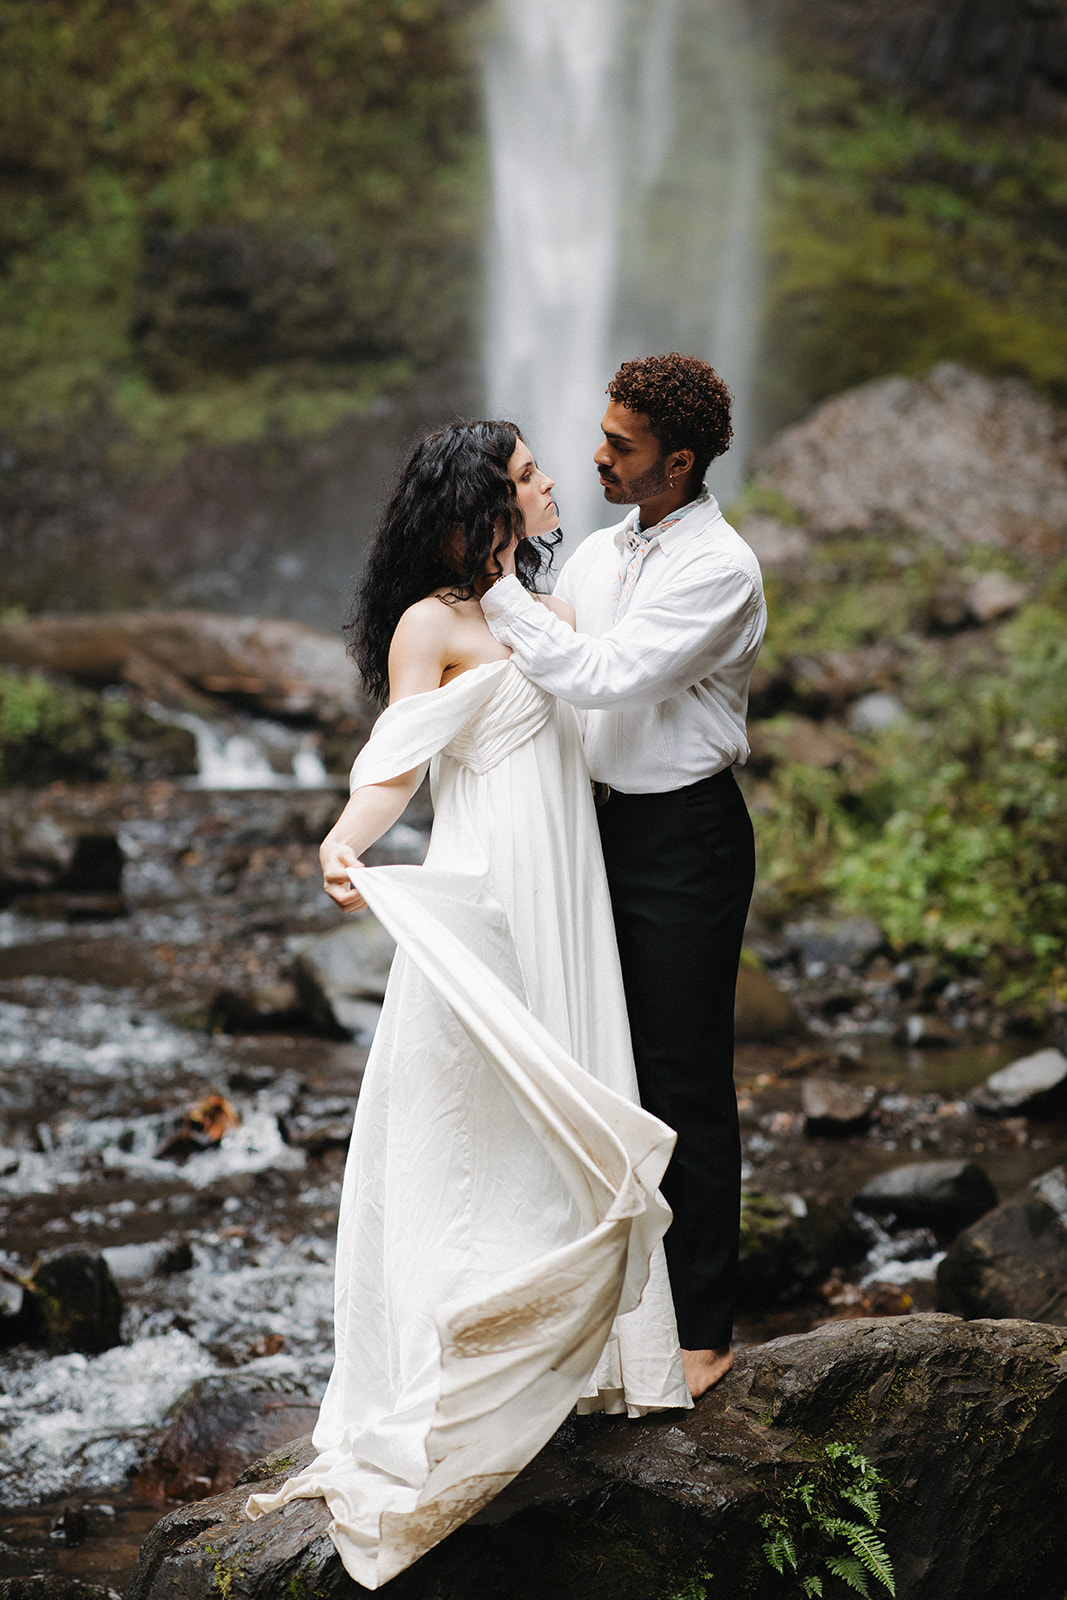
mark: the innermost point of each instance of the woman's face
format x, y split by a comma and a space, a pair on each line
533, 490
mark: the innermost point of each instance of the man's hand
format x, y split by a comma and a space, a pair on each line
336, 860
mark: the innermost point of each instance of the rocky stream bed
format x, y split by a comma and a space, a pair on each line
169, 972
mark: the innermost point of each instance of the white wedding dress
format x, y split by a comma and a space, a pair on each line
499, 1220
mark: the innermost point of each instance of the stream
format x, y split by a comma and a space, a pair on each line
112, 1027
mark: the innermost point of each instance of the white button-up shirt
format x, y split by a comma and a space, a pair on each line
664, 688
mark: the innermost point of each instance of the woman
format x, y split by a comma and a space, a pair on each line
499, 1221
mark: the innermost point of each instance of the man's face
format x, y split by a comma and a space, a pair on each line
630, 460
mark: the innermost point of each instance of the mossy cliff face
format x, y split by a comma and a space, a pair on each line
903, 228
227, 217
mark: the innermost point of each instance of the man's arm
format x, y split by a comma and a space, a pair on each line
655, 651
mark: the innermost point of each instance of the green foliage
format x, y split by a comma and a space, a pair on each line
165, 156
950, 829
810, 1521
695, 1588
53, 731
900, 236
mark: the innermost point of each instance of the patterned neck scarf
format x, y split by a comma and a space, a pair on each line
637, 542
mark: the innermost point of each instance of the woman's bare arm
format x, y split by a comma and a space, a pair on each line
418, 656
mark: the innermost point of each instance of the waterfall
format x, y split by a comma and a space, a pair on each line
625, 153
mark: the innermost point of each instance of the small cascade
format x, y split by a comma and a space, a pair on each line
250, 756
626, 153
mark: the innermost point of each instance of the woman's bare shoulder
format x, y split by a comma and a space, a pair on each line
427, 619
560, 607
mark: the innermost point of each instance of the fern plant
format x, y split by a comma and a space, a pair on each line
829, 1518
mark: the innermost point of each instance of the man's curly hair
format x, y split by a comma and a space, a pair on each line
686, 403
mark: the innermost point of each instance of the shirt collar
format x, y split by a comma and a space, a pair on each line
672, 528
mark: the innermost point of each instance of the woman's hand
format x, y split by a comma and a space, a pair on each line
336, 860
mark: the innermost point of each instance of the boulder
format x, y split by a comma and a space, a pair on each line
789, 1243
833, 1108
970, 459
798, 739
52, 1586
925, 1030
774, 543
221, 1426
762, 1013
945, 1196
963, 1419
1013, 1261
995, 595
875, 712
833, 941
341, 976
282, 668
1033, 1086
155, 1258
74, 1303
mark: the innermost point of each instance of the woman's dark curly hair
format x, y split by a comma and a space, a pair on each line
686, 403
452, 509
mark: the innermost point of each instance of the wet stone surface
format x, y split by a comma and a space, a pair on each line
111, 1031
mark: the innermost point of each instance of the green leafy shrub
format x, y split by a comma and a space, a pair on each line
52, 731
828, 1517
949, 830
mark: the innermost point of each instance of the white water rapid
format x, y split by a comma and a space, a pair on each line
625, 148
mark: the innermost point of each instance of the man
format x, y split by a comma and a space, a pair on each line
670, 617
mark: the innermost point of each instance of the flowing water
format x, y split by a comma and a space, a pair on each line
109, 1031
626, 145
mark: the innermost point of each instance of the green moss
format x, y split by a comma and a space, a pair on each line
950, 829
51, 731
316, 157
225, 1574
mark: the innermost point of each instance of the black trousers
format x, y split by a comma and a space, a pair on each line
680, 869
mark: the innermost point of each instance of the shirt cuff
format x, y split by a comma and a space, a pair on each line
506, 602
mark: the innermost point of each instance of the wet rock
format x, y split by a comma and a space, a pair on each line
788, 1243
974, 460
74, 1303
1013, 1261
157, 1258
995, 595
835, 1109
796, 738
944, 1196
1033, 1086
282, 668
928, 1031
219, 1429
320, 1124
819, 942
341, 977
17, 1322
773, 542
874, 713
265, 1008
71, 1525
52, 1586
962, 1418
823, 685
762, 1013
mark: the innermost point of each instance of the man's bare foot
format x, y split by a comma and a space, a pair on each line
704, 1368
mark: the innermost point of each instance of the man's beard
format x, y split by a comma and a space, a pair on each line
631, 492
